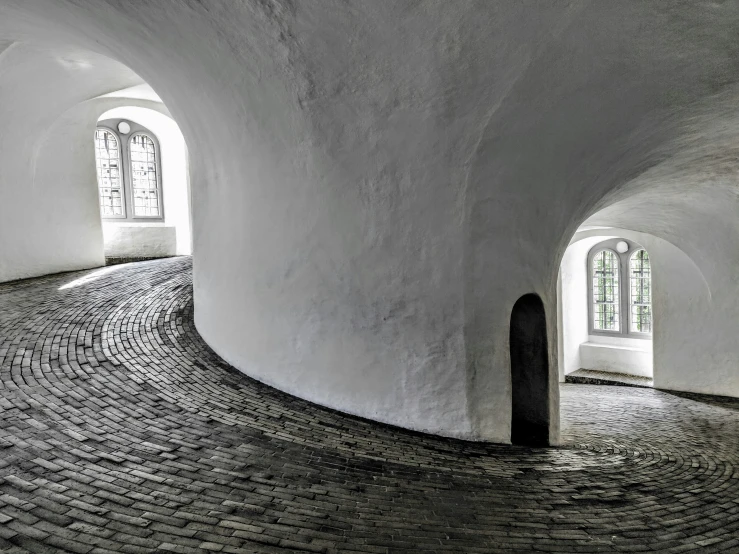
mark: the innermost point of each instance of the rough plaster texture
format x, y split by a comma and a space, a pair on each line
49, 215
627, 356
376, 183
123, 240
49, 218
573, 304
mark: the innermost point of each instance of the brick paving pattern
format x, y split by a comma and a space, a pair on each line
122, 432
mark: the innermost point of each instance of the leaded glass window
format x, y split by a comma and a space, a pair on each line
136, 192
110, 184
606, 297
144, 176
640, 277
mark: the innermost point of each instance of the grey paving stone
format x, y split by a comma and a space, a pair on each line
121, 431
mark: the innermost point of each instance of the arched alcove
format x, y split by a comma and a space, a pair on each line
158, 237
529, 372
620, 349
683, 300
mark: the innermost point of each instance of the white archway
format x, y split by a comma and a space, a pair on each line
684, 314
126, 239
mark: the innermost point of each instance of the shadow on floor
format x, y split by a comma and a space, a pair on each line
727, 402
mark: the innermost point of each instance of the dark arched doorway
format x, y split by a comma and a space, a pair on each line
529, 372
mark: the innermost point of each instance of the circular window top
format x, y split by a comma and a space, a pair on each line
124, 128
622, 246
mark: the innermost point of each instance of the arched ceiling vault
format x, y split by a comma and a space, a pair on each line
596, 94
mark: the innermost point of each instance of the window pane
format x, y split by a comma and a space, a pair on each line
605, 291
144, 176
640, 277
107, 161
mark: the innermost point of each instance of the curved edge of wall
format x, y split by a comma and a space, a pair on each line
375, 418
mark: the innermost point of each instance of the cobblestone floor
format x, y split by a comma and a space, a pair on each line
122, 432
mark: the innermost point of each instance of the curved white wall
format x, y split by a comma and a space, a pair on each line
374, 186
573, 307
578, 348
49, 216
693, 318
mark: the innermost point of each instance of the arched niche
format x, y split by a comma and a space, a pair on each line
529, 372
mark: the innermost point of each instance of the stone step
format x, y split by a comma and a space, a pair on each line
594, 377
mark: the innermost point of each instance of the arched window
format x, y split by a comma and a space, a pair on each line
110, 184
640, 298
606, 294
136, 193
144, 176
619, 289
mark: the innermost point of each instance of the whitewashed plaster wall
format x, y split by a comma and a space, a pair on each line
693, 320
617, 355
573, 311
49, 218
376, 183
122, 240
694, 339
577, 348
146, 238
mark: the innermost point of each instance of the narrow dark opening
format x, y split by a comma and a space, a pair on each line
529, 372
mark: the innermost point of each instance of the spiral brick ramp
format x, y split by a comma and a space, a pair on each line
122, 432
